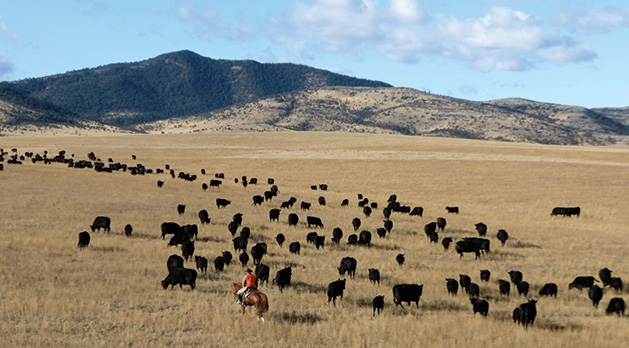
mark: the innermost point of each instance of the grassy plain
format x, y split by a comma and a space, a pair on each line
109, 294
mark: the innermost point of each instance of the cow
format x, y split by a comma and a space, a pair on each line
187, 250
605, 274
522, 287
400, 259
481, 228
581, 282
446, 242
171, 228
504, 286
549, 289
258, 200
282, 278
204, 217
321, 200
294, 247
502, 236
219, 264
181, 209
374, 275
484, 275
222, 203
616, 305
452, 285
84, 239
243, 258
417, 211
215, 183
237, 218
191, 230
314, 221
274, 214
323, 187
434, 237
381, 231
232, 227
305, 205
268, 195
407, 293
515, 276
257, 252
174, 261
595, 293
178, 239
345, 202
464, 281
367, 211
103, 222
293, 219
348, 264
228, 257
525, 313
386, 212
388, 225
452, 210
280, 239
430, 228
319, 242
479, 306
441, 223
160, 183
337, 235
245, 233
356, 223
352, 239
311, 237
473, 290
180, 276
616, 283
566, 211
335, 289
467, 246
377, 304
201, 263
364, 238
262, 274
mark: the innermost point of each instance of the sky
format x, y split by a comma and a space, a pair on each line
566, 52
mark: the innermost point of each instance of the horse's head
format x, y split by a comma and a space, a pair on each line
237, 286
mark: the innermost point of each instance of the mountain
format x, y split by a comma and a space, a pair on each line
173, 85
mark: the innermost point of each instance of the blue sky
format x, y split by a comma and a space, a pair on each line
566, 52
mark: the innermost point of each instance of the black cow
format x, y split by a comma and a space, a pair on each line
516, 276
502, 236
605, 274
282, 278
187, 250
378, 304
417, 211
525, 313
549, 289
484, 275
581, 282
128, 229
237, 218
566, 211
441, 223
262, 273
103, 222
473, 290
616, 305
258, 200
430, 228
245, 233
84, 239
171, 228
446, 242
181, 208
348, 264
374, 275
174, 261
293, 219
311, 237
243, 258
467, 246
400, 259
388, 225
335, 289
274, 214
356, 223
228, 257
305, 205
294, 247
204, 217
452, 210
381, 231
479, 306
319, 241
232, 227
505, 287
222, 203
452, 285
434, 237
595, 293
191, 230
180, 276
280, 239
345, 202
201, 263
219, 264
386, 212
407, 293
215, 183
323, 187
352, 239
367, 211
522, 287
178, 239
464, 281
337, 235
160, 183
321, 200
257, 252
616, 283
240, 243
314, 221
364, 238
268, 195
481, 228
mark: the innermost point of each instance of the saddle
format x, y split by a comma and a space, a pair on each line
248, 292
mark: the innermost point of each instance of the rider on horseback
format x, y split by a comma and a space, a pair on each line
249, 282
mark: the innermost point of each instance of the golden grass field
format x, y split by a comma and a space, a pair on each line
109, 294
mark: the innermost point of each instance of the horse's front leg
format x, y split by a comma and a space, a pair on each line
243, 309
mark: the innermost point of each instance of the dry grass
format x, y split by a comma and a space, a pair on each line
109, 294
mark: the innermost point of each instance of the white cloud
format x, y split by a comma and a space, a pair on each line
400, 30
595, 21
6, 68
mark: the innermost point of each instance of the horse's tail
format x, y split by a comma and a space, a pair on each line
264, 303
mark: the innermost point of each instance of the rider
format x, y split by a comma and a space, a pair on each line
249, 282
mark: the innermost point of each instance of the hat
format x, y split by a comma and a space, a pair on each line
248, 270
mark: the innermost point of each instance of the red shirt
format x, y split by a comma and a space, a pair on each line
250, 280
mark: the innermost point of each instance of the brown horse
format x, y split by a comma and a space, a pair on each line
256, 299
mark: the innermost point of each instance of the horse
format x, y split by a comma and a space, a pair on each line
256, 299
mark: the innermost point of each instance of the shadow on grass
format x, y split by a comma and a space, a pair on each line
299, 318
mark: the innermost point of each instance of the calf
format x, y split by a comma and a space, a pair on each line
400, 259
180, 276
201, 263
84, 239
319, 242
181, 208
335, 289
484, 275
127, 230
280, 239
452, 285
378, 304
